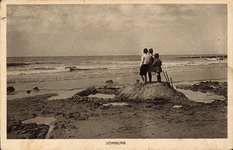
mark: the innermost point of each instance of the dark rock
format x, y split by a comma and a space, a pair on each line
83, 118
88, 91
94, 115
77, 98
10, 89
36, 88
27, 131
208, 86
55, 126
148, 106
28, 91
98, 102
224, 83
63, 126
219, 102
109, 81
105, 106
194, 88
74, 115
42, 112
73, 127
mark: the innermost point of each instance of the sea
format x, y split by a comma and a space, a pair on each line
59, 68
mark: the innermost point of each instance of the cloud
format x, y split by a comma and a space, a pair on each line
116, 26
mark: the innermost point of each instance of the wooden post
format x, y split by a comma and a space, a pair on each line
168, 78
171, 83
165, 76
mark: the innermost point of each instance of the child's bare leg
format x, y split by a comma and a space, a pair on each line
145, 79
150, 76
142, 78
158, 77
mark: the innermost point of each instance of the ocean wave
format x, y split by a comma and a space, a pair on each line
174, 64
28, 71
16, 64
95, 67
217, 62
85, 68
192, 63
39, 70
205, 56
43, 68
109, 62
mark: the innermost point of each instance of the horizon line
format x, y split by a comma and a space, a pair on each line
115, 55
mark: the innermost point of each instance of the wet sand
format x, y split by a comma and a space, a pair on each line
67, 88
88, 118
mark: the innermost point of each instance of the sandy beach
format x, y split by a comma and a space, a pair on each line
88, 117
67, 88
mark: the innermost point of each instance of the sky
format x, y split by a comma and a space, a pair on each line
116, 29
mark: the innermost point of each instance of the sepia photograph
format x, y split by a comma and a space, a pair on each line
116, 71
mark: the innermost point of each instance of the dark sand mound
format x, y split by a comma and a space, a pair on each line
152, 92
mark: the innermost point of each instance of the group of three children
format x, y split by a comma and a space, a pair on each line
149, 64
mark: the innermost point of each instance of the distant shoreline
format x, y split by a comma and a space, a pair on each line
211, 56
184, 55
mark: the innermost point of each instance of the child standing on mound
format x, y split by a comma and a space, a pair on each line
150, 69
144, 65
157, 66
